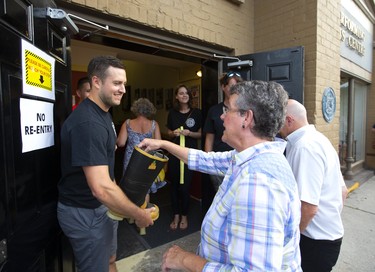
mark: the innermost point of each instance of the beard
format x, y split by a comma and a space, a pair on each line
109, 100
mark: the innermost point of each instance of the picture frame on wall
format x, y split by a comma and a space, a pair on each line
151, 95
125, 100
196, 96
159, 98
144, 93
137, 94
168, 98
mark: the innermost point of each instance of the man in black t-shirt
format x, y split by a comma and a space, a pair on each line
87, 188
213, 127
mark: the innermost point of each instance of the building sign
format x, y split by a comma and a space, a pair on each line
352, 34
356, 35
38, 69
36, 124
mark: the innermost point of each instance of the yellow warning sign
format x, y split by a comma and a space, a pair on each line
152, 166
38, 71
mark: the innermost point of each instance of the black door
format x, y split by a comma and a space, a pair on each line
30, 238
285, 66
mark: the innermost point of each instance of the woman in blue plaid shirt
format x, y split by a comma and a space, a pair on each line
253, 222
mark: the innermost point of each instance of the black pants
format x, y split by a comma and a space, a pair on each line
319, 255
180, 193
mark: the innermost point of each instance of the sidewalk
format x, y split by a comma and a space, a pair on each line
358, 246
357, 250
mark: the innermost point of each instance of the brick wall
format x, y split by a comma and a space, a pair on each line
254, 26
219, 22
315, 25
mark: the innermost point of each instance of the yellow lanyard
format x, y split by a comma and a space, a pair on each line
182, 143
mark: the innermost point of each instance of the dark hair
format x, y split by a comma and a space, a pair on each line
82, 81
267, 100
176, 103
224, 79
143, 107
98, 66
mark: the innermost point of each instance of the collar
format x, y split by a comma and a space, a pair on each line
297, 134
278, 145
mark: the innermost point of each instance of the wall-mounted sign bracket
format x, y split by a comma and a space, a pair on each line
100, 27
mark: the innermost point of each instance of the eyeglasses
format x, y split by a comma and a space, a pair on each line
226, 110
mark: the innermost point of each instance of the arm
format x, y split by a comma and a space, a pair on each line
108, 193
209, 143
308, 211
176, 258
176, 150
344, 190
122, 136
157, 134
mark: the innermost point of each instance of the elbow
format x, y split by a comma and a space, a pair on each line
119, 144
99, 194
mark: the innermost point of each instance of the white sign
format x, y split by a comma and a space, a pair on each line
36, 124
38, 70
356, 35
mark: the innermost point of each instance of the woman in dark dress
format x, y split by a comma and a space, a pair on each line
184, 128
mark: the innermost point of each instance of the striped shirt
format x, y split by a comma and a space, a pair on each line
253, 222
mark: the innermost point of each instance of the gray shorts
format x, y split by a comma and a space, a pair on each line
92, 234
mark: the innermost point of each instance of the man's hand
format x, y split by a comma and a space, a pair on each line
145, 219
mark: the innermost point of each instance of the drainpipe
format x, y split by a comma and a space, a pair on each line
349, 141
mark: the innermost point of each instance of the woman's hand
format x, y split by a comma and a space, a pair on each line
172, 258
177, 258
150, 144
176, 132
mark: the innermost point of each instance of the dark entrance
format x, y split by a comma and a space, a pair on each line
30, 238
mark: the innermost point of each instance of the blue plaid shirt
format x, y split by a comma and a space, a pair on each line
253, 222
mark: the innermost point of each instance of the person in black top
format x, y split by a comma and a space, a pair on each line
213, 127
184, 127
87, 188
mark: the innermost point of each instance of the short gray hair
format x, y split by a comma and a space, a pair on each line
144, 107
267, 100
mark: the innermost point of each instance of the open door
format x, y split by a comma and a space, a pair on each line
285, 66
30, 237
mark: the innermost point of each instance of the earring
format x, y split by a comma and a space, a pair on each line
243, 126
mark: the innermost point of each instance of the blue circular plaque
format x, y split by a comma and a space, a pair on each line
328, 104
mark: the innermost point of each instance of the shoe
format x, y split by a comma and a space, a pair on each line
183, 223
174, 223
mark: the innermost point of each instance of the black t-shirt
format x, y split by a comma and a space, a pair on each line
88, 138
215, 125
191, 120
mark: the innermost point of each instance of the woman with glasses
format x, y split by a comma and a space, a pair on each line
253, 221
213, 127
184, 128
